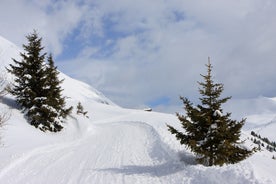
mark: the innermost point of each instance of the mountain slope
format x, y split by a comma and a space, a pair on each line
113, 145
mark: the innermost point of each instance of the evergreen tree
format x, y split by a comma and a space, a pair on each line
55, 101
30, 80
209, 133
36, 86
80, 109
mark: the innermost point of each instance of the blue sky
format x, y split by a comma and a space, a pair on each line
148, 53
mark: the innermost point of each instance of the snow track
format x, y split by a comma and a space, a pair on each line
117, 152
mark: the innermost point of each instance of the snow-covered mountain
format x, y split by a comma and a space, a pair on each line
113, 145
260, 115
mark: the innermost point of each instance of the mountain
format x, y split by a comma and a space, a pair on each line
260, 115
112, 145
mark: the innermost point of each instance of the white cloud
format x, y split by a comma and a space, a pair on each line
138, 51
54, 20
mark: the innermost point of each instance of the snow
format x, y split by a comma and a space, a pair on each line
114, 145
214, 126
217, 113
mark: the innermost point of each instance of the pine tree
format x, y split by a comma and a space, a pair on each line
55, 101
30, 80
36, 87
209, 133
80, 109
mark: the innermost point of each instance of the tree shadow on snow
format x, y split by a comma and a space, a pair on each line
153, 170
164, 169
187, 158
10, 102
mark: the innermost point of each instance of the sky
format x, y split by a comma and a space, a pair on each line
148, 53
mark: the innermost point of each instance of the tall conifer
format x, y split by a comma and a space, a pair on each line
30, 80
36, 87
55, 99
208, 132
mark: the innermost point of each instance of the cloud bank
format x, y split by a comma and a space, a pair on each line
147, 53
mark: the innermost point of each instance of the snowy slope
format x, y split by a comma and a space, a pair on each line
260, 113
267, 126
113, 145
7, 51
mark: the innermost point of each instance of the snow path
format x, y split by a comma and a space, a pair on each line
115, 153
118, 153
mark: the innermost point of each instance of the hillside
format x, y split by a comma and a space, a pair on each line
113, 145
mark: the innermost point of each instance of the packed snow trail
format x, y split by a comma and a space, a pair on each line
117, 153
101, 156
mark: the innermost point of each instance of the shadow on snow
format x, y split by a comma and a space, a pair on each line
153, 170
159, 170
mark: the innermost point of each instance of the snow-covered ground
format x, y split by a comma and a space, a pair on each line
115, 145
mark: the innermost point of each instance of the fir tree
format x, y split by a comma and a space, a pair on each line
80, 110
55, 101
210, 133
30, 80
36, 87
55, 98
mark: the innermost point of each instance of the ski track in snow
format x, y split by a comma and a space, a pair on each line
98, 158
116, 152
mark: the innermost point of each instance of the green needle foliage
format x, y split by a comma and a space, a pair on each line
37, 88
208, 132
55, 98
80, 109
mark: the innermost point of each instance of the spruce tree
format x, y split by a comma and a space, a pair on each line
55, 101
36, 87
208, 132
80, 109
30, 80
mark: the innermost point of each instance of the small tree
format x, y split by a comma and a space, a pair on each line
210, 133
80, 109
